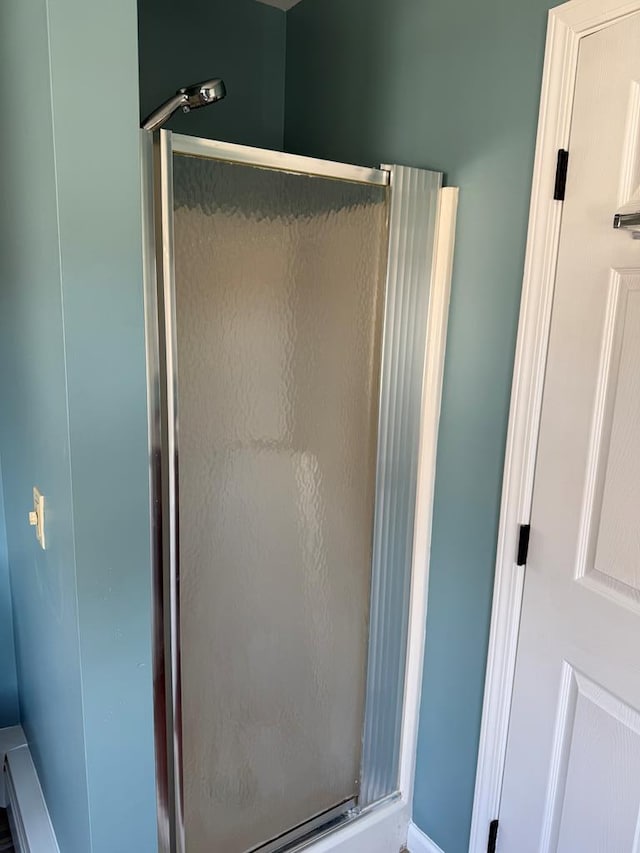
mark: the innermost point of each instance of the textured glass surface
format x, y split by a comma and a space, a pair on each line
412, 226
279, 284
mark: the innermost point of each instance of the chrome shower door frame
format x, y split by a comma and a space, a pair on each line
389, 724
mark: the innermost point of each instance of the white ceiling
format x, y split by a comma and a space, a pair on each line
280, 4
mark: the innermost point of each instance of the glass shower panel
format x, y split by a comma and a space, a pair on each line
279, 299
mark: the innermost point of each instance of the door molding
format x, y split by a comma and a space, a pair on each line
567, 25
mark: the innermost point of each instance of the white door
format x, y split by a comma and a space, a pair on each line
572, 775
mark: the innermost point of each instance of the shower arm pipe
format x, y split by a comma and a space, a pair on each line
164, 112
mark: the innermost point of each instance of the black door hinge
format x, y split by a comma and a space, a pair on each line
493, 837
561, 174
523, 544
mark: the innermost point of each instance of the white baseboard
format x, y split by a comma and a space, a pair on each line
31, 827
10, 738
21, 795
418, 842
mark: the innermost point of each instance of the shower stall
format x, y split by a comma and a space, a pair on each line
287, 305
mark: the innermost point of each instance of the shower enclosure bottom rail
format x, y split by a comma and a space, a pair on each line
296, 838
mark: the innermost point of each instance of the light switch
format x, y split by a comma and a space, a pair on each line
36, 516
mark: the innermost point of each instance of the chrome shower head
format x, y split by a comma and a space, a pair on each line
187, 99
203, 94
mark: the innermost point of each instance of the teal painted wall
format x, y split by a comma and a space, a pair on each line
73, 419
34, 427
9, 714
239, 40
95, 104
452, 86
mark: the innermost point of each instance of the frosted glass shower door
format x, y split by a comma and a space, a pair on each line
278, 300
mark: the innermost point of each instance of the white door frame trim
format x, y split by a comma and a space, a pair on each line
568, 24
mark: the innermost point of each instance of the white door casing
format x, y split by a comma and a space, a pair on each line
572, 771
596, 573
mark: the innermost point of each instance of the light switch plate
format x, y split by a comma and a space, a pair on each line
36, 518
